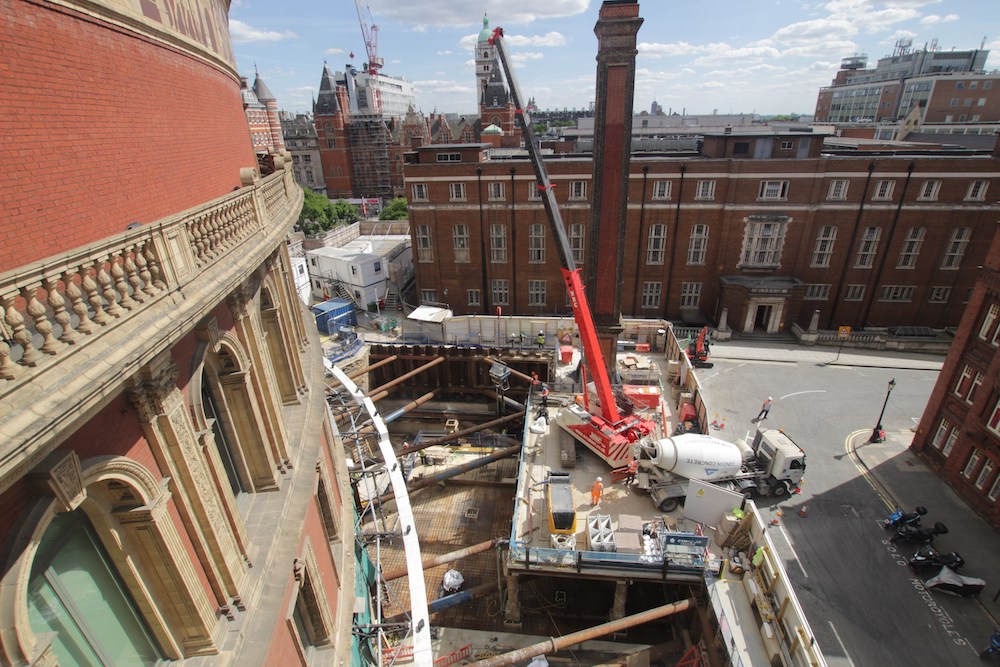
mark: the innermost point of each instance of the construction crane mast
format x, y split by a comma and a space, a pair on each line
607, 432
369, 31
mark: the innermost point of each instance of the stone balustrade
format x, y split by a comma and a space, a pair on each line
128, 296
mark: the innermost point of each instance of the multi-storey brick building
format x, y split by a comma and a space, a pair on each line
299, 134
959, 434
762, 226
169, 478
941, 86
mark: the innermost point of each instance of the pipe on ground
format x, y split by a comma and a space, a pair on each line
458, 470
451, 437
553, 644
377, 364
405, 376
399, 412
434, 561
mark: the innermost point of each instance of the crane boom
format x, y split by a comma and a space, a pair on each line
609, 434
570, 272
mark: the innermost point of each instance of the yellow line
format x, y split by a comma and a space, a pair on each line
865, 473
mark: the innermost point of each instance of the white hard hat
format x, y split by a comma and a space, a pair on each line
769, 398
598, 479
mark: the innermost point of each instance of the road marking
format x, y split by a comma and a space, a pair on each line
796, 393
795, 555
840, 641
881, 492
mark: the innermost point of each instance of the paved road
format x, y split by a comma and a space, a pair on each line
864, 604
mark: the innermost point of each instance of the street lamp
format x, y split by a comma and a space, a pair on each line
878, 426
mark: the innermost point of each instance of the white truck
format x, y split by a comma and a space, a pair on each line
772, 465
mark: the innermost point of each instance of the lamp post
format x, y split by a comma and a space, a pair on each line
878, 425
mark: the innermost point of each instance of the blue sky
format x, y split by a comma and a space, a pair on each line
728, 56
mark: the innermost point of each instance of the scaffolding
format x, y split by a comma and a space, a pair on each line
370, 139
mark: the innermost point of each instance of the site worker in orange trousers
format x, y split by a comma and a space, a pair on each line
596, 491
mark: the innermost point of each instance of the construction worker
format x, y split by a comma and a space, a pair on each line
764, 409
545, 396
596, 491
630, 470
541, 339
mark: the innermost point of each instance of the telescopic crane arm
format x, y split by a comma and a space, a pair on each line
570, 272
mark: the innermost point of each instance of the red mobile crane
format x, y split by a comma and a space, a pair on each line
607, 432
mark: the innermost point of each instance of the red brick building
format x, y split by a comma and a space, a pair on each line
959, 434
763, 226
172, 488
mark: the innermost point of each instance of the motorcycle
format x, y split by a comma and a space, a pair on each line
918, 534
901, 518
927, 559
994, 646
950, 582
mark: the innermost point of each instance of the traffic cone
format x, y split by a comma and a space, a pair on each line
715, 420
722, 425
804, 511
774, 521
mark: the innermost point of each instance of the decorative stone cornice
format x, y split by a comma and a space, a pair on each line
59, 476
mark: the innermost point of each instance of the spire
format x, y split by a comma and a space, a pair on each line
260, 88
326, 102
485, 33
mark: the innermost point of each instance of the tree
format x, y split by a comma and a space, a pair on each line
315, 214
394, 210
343, 213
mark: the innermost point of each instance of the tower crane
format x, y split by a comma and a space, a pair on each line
369, 31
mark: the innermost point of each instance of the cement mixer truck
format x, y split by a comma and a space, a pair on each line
772, 465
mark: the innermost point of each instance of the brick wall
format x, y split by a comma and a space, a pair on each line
102, 128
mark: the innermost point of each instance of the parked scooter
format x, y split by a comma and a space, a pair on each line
918, 534
948, 581
901, 518
927, 560
994, 646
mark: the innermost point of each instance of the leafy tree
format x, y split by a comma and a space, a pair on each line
315, 214
394, 210
342, 213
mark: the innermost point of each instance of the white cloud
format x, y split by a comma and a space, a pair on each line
335, 51
442, 86
468, 42
446, 52
931, 19
244, 34
657, 50
524, 56
424, 14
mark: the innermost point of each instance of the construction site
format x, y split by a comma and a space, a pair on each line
546, 491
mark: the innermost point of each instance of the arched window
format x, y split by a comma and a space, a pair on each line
76, 593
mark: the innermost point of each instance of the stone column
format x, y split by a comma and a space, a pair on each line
153, 541
167, 426
261, 378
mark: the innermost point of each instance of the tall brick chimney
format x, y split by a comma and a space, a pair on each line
616, 30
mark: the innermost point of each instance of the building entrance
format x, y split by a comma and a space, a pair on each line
762, 318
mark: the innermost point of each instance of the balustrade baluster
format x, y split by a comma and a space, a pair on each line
94, 297
134, 280
38, 313
59, 312
199, 239
77, 303
8, 369
143, 268
104, 280
214, 237
154, 266
121, 286
19, 332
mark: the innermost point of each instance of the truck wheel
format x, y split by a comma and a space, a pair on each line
668, 504
780, 490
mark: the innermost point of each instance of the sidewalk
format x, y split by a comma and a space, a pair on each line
789, 353
907, 481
